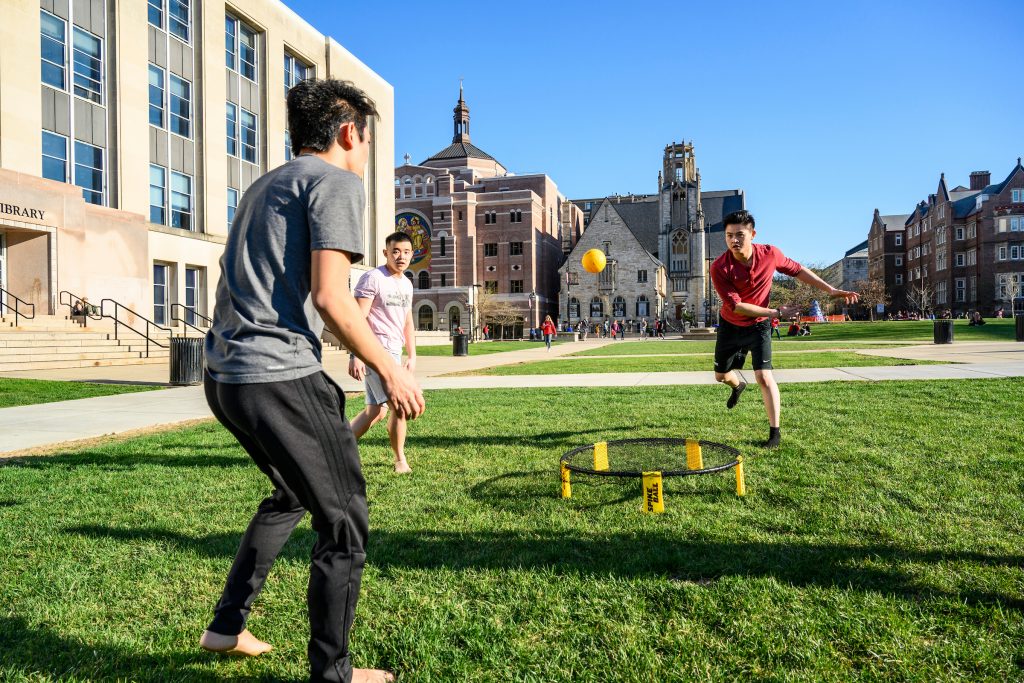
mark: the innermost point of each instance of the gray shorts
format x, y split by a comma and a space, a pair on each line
375, 395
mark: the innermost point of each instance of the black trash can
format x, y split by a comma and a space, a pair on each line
186, 360
943, 331
460, 344
1019, 320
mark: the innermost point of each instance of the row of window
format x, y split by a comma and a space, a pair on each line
1012, 252
514, 216
86, 58
179, 19
491, 249
163, 286
642, 307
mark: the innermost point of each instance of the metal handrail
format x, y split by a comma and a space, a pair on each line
71, 298
174, 316
117, 322
15, 308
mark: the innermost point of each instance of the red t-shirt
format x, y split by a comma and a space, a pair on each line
749, 283
547, 328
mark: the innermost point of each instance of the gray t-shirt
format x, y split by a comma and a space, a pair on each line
265, 328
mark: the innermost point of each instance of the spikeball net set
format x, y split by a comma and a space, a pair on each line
651, 460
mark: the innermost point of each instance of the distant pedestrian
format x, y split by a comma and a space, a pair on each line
547, 328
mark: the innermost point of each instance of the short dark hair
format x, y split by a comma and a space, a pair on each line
741, 217
396, 237
317, 107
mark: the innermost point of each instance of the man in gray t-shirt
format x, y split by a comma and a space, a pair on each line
284, 274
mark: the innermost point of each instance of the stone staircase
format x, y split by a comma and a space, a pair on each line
50, 342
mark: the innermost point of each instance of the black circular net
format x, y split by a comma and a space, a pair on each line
633, 457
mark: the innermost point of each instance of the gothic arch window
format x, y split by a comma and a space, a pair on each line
680, 251
424, 279
408, 274
454, 317
643, 306
619, 307
512, 215
596, 307
430, 185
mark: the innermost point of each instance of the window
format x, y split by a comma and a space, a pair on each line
178, 18
160, 287
960, 260
88, 60
156, 96
588, 206
961, 289
490, 249
515, 248
899, 239
641, 276
157, 194
516, 286
444, 280
972, 230
972, 287
1002, 253
156, 13
442, 241
247, 52
940, 260
181, 107
288, 156
294, 71
232, 124
596, 308
959, 233
899, 260
53, 44
89, 172
1017, 195
491, 286
515, 216
181, 201
231, 42
55, 157
460, 215
619, 307
424, 280
574, 307
1014, 224
972, 258
1014, 252
232, 205
248, 135
899, 278
425, 318
193, 287
643, 306
940, 292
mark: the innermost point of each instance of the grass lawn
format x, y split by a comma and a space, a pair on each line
23, 392
482, 348
645, 348
882, 542
780, 360
907, 330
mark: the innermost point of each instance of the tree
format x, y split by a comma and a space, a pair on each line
872, 292
920, 295
788, 291
494, 311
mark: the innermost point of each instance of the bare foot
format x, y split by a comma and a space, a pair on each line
402, 467
372, 676
244, 644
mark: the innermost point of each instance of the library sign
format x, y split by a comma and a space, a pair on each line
21, 211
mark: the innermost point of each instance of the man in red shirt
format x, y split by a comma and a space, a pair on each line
743, 279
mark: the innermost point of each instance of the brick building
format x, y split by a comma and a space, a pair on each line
476, 226
963, 247
887, 255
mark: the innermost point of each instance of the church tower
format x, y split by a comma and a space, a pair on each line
682, 240
461, 119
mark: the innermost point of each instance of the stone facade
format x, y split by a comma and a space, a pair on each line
632, 285
474, 225
849, 270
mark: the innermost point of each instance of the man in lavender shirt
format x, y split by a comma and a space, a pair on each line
384, 296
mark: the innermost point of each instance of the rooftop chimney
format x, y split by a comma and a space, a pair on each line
980, 180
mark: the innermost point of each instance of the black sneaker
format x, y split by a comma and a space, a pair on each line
734, 397
774, 438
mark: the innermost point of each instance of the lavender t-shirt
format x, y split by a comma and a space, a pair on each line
392, 302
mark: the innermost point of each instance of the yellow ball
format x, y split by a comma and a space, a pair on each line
594, 261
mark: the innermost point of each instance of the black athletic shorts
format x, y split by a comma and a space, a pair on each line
732, 343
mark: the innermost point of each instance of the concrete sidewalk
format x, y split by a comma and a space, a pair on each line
39, 426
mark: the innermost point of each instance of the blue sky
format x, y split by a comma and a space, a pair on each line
820, 112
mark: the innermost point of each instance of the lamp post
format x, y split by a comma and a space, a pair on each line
533, 302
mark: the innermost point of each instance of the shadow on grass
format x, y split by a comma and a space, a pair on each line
874, 568
202, 456
36, 651
520, 492
566, 439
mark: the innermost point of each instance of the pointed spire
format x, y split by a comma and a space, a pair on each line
461, 118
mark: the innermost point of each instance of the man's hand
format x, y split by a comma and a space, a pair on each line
848, 297
404, 395
356, 369
410, 364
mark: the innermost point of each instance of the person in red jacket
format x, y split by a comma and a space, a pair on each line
743, 279
547, 328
